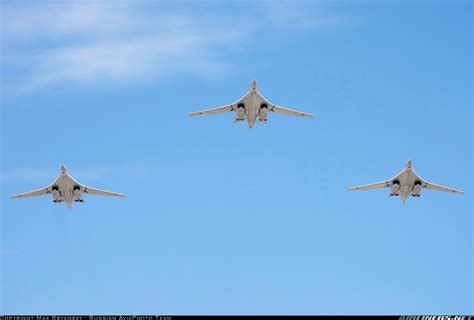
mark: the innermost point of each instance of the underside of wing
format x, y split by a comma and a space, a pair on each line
377, 185
39, 192
219, 110
436, 187
99, 192
289, 112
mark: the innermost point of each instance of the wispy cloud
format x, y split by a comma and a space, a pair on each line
47, 43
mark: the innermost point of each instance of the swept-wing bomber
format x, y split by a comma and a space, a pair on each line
66, 189
406, 183
252, 106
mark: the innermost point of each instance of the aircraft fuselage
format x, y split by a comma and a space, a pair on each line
407, 180
66, 189
252, 103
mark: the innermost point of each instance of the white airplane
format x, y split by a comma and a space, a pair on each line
406, 183
66, 189
252, 106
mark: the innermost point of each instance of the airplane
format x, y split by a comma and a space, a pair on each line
406, 183
252, 106
66, 189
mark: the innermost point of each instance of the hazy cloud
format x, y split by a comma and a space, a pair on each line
47, 43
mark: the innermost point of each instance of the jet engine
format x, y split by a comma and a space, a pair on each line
395, 190
240, 112
77, 194
263, 115
56, 194
416, 189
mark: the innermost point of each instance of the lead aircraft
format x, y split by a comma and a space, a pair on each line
252, 106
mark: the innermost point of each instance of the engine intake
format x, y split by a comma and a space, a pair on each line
78, 195
56, 194
240, 116
395, 190
416, 192
263, 114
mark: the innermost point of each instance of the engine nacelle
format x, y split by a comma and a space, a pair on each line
263, 114
395, 190
416, 189
240, 112
56, 195
77, 194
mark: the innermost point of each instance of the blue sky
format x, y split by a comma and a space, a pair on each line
221, 219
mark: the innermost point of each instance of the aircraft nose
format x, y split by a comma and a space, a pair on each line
63, 167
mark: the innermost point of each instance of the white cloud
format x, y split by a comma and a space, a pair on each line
49, 43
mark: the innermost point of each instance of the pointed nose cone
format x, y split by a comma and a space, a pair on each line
63, 167
254, 84
409, 163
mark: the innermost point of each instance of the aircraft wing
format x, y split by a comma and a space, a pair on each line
436, 187
39, 192
219, 110
98, 192
377, 185
289, 112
